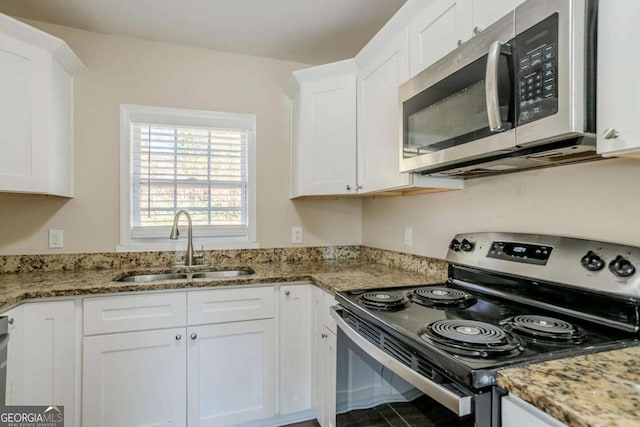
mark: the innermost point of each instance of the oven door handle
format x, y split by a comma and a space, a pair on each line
459, 404
491, 85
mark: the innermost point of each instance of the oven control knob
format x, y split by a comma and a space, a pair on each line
621, 267
454, 245
592, 262
466, 245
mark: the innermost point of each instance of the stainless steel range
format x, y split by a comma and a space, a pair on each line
510, 299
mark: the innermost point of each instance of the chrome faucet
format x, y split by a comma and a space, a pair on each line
189, 258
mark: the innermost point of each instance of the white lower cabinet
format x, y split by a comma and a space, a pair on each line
324, 359
516, 412
295, 348
135, 379
215, 374
42, 356
230, 375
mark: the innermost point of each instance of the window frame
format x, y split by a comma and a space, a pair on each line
181, 117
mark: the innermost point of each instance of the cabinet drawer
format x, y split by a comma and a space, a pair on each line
229, 305
122, 313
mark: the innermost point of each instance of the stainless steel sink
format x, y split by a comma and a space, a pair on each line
222, 273
152, 277
208, 274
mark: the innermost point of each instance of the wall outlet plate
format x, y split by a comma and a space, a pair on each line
408, 236
296, 235
56, 239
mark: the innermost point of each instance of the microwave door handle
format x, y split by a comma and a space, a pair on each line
491, 86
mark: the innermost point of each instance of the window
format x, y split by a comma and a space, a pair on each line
176, 159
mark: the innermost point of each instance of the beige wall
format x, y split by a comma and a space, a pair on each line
599, 200
133, 71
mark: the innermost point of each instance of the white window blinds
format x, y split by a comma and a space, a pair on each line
203, 169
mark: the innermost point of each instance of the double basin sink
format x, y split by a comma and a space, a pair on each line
202, 274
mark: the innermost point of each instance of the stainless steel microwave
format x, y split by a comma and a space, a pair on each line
519, 95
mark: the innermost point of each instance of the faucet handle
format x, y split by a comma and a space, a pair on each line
199, 255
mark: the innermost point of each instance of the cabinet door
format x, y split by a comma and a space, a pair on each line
317, 361
437, 31
516, 412
329, 372
135, 379
295, 348
325, 136
486, 12
230, 373
23, 85
378, 116
618, 83
46, 343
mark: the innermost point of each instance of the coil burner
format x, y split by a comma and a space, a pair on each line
471, 338
441, 297
383, 301
544, 328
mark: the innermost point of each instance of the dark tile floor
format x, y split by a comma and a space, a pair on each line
422, 412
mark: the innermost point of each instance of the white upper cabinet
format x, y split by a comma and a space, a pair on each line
442, 25
618, 127
378, 79
486, 12
381, 70
36, 110
437, 30
323, 152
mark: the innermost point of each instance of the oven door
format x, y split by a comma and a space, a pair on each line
462, 107
373, 385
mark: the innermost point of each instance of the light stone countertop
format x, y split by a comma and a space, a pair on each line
335, 275
596, 390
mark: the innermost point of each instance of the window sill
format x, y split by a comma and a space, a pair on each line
181, 245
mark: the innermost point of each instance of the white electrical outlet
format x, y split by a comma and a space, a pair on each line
55, 239
408, 236
296, 234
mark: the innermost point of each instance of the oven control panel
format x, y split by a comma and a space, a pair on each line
586, 264
520, 252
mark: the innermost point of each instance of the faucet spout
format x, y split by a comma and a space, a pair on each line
188, 259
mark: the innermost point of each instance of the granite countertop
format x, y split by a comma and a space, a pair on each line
596, 390
601, 389
332, 275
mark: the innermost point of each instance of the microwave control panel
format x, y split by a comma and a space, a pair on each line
537, 71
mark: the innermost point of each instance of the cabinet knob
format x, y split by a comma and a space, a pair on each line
348, 187
178, 337
459, 43
323, 335
10, 320
610, 133
358, 187
476, 30
194, 336
287, 293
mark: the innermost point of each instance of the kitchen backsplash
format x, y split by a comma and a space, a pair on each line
236, 257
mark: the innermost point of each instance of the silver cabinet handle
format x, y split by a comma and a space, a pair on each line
610, 133
491, 85
178, 337
323, 335
194, 336
348, 187
358, 187
287, 293
476, 30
